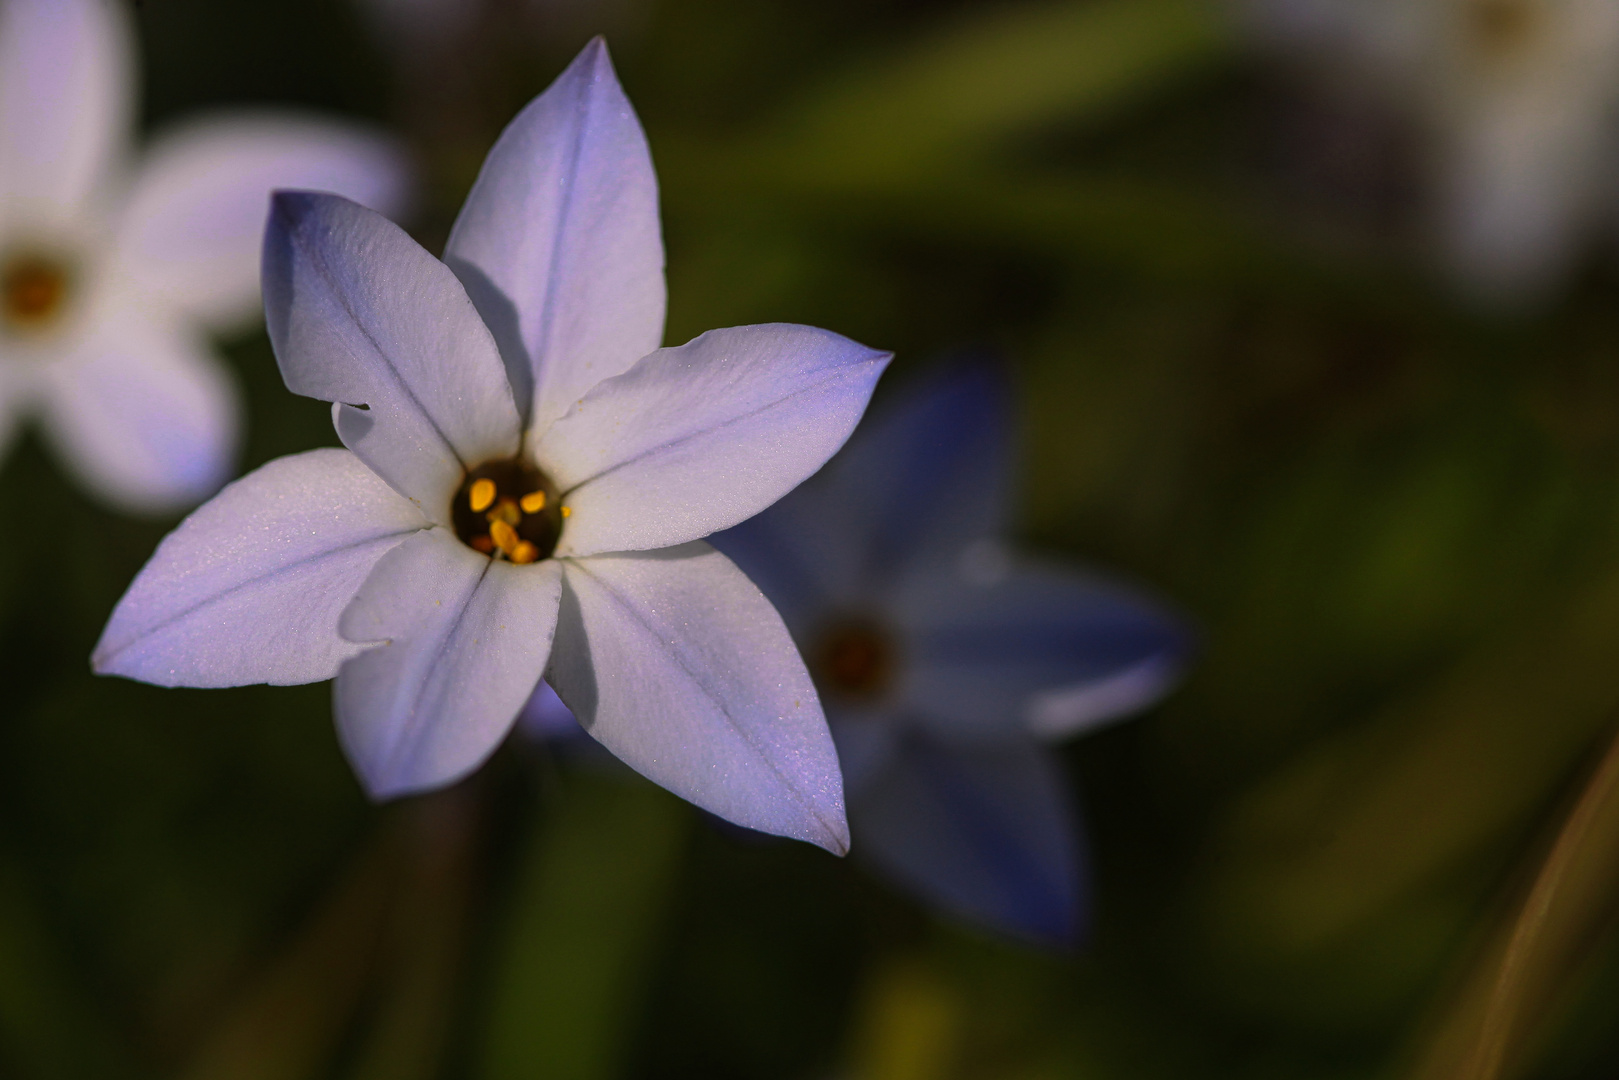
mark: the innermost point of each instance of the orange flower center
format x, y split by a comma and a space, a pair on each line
854, 660
33, 291
508, 510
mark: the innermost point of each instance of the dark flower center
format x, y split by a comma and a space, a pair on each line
33, 290
854, 659
1501, 28
508, 510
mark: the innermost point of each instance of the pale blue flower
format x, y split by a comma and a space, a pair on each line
527, 481
114, 269
944, 660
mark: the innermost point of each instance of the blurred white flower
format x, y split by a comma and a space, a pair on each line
112, 271
1518, 104
527, 481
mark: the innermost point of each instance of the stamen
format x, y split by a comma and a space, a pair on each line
504, 536
506, 510
491, 517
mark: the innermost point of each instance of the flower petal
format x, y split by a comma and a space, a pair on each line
987, 835
927, 475
249, 588
464, 640
678, 665
544, 717
866, 738
995, 649
695, 439
142, 411
360, 314
933, 473
66, 100
193, 230
559, 244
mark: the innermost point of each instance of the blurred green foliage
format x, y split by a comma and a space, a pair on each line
1357, 829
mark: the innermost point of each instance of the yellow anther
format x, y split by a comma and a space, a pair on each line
566, 512
504, 536
524, 552
481, 495
533, 502
506, 510
483, 544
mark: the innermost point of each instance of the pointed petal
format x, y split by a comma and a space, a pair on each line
249, 588
926, 475
559, 244
193, 230
464, 639
66, 101
987, 835
677, 664
360, 314
695, 439
994, 649
142, 411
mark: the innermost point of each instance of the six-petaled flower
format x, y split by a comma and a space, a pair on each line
525, 487
945, 661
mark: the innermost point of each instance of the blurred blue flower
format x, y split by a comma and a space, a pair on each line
944, 660
524, 464
111, 271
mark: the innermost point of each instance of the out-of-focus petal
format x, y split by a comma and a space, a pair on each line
929, 474
698, 438
360, 315
987, 834
193, 230
142, 411
463, 639
932, 474
558, 243
678, 665
544, 716
990, 650
249, 588
866, 739
804, 553
1519, 192
66, 102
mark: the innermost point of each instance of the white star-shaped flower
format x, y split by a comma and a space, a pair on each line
1518, 101
112, 271
525, 489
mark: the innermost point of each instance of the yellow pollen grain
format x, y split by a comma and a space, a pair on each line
567, 512
524, 552
533, 502
504, 536
481, 495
